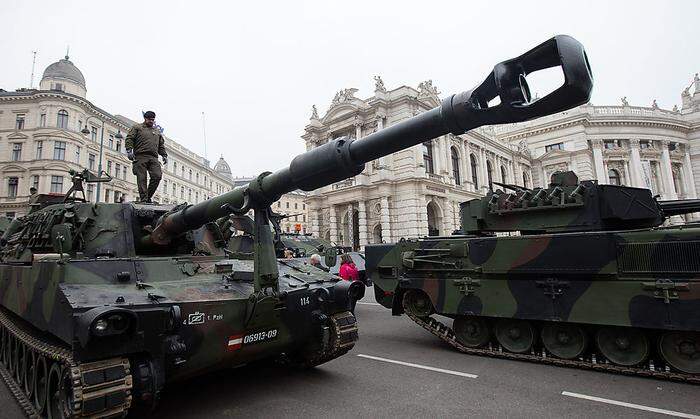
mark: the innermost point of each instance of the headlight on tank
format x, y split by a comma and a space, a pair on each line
105, 321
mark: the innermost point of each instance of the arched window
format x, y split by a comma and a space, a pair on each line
475, 176
428, 157
526, 180
489, 173
455, 166
613, 177
62, 119
504, 175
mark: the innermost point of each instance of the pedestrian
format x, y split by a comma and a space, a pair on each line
143, 145
288, 254
348, 270
315, 261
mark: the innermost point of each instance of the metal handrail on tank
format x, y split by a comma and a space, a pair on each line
343, 158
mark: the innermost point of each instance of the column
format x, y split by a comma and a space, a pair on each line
484, 178
316, 216
386, 221
600, 172
351, 227
688, 177
418, 156
362, 221
635, 164
380, 126
545, 178
334, 225
466, 152
448, 219
666, 172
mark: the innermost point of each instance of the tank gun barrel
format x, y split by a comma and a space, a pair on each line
679, 207
344, 158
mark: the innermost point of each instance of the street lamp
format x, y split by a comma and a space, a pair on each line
86, 131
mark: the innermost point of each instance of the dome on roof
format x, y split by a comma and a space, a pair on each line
65, 69
222, 167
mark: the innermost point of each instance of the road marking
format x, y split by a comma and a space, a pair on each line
369, 304
422, 367
631, 405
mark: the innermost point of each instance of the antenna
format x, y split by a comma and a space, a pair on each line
31, 78
204, 134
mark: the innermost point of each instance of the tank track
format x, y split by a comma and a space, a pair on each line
447, 335
100, 389
343, 335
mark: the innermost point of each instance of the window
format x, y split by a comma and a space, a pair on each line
287, 205
42, 120
117, 194
56, 184
62, 119
196, 197
557, 146
174, 188
175, 167
77, 154
58, 86
279, 204
303, 206
613, 177
182, 192
93, 133
10, 214
35, 182
455, 166
526, 181
80, 125
428, 157
489, 173
124, 172
182, 172
19, 122
119, 145
196, 178
117, 170
107, 195
644, 144
189, 194
91, 161
672, 146
12, 185
59, 151
610, 144
504, 174
39, 150
303, 218
475, 176
111, 141
90, 191
165, 186
16, 151
296, 206
205, 181
109, 167
190, 175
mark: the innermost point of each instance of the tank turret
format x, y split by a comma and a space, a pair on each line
568, 205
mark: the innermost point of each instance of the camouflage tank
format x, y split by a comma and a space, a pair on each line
104, 304
576, 274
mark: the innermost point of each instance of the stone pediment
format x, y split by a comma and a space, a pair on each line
17, 136
554, 154
58, 166
339, 110
13, 168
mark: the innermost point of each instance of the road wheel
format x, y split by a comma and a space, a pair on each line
12, 355
471, 331
41, 381
60, 396
623, 345
566, 341
418, 303
515, 335
681, 350
29, 365
20, 369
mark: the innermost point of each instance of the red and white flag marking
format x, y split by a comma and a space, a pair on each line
235, 342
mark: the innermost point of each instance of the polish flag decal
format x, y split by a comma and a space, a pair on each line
235, 342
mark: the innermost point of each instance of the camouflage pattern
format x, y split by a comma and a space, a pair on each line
116, 300
584, 272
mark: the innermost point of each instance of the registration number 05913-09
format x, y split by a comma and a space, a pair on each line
260, 336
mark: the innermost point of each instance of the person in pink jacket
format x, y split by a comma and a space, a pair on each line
348, 270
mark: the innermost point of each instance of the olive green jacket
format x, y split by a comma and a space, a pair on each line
145, 141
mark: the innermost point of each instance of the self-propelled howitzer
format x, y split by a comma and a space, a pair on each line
103, 304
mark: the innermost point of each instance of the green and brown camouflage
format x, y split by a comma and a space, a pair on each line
104, 303
592, 258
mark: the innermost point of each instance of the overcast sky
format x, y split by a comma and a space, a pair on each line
255, 68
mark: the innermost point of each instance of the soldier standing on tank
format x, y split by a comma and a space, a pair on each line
143, 145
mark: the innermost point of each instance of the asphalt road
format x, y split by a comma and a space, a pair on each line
374, 380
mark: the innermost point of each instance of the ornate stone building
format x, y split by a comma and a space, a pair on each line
41, 139
412, 192
417, 192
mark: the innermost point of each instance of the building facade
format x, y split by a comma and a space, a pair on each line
41, 139
417, 192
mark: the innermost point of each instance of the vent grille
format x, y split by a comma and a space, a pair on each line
659, 257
